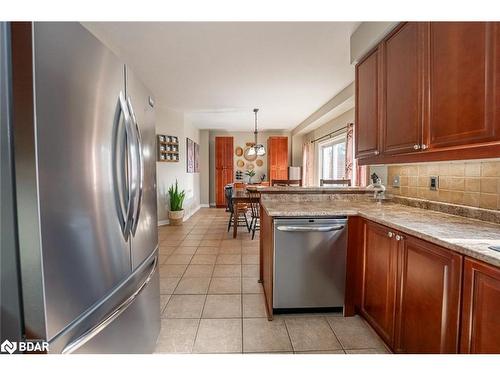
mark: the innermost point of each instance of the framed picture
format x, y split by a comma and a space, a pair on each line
190, 155
196, 158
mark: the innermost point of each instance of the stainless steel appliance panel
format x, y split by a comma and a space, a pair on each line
309, 262
144, 227
10, 297
84, 250
126, 321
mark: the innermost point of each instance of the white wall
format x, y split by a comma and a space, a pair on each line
174, 123
366, 37
204, 168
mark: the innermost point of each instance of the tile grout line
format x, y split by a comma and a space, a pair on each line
335, 334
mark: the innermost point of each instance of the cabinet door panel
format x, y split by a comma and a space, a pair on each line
277, 158
367, 106
463, 83
428, 299
402, 129
481, 308
379, 280
223, 167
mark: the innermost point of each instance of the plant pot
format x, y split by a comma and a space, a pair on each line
175, 217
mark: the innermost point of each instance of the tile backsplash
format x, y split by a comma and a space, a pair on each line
469, 183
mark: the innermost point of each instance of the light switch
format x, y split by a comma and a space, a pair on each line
395, 181
434, 183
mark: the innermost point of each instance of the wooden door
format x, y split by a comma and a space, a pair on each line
368, 103
402, 128
428, 303
277, 159
464, 83
378, 294
481, 308
223, 167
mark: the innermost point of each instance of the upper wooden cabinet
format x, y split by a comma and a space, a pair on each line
481, 308
402, 87
463, 83
368, 105
277, 158
428, 305
430, 91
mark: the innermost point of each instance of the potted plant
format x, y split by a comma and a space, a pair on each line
176, 197
250, 174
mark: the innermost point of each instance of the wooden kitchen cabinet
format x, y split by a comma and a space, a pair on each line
379, 276
481, 308
224, 168
410, 291
428, 302
368, 105
277, 158
464, 83
430, 91
402, 77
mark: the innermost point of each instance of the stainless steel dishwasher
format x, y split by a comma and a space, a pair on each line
309, 263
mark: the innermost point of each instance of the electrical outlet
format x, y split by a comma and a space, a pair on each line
434, 183
396, 182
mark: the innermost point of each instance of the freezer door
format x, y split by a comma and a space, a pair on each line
144, 227
81, 181
127, 321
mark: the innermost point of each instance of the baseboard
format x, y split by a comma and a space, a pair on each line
204, 205
163, 222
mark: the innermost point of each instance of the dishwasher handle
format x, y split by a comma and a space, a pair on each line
309, 228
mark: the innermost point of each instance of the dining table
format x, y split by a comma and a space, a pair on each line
238, 196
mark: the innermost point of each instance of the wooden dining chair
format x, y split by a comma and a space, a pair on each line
242, 211
324, 182
286, 183
255, 210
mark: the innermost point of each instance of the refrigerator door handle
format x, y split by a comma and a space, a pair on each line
92, 332
140, 159
131, 166
122, 188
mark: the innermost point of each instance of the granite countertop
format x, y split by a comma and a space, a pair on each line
311, 189
470, 237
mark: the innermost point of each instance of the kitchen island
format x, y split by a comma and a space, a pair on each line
401, 259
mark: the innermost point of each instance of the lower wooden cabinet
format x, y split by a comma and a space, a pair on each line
481, 308
428, 302
379, 273
410, 291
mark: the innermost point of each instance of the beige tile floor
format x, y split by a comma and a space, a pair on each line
211, 301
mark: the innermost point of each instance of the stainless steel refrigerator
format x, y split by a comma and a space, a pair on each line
84, 177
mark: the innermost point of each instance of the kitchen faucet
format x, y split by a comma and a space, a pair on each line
379, 188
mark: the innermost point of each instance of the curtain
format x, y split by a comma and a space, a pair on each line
308, 164
357, 174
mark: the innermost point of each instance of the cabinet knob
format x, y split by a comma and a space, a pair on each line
416, 147
376, 152
398, 237
390, 234
424, 147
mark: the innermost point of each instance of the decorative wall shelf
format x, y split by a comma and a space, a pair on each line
167, 148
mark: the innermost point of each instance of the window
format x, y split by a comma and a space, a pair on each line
332, 159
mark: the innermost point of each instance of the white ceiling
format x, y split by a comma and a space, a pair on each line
217, 72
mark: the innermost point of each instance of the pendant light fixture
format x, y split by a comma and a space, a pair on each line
258, 148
